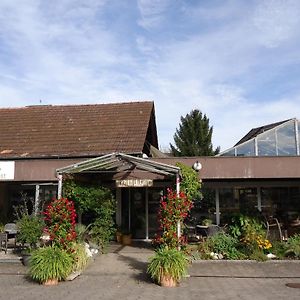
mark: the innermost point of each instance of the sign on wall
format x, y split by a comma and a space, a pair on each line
7, 170
134, 183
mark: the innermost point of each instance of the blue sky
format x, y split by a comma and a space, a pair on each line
238, 61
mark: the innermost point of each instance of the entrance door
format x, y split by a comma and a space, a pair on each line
134, 211
139, 211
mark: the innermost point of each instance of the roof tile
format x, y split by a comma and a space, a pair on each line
74, 130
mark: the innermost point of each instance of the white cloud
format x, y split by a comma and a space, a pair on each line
152, 12
276, 21
208, 56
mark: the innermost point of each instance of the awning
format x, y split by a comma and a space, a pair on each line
119, 162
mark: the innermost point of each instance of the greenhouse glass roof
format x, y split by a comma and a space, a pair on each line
277, 139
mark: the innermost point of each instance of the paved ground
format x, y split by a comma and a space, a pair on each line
120, 274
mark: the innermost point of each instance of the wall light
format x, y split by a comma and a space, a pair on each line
197, 166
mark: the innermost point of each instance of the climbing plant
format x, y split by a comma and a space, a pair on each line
99, 203
190, 183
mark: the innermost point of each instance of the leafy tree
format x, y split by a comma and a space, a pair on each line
193, 137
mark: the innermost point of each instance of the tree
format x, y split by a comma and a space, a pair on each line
193, 138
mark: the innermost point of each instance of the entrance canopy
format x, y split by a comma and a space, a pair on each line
119, 162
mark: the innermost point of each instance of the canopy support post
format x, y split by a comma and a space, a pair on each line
59, 188
177, 193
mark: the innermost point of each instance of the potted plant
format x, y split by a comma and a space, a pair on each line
30, 230
168, 266
50, 264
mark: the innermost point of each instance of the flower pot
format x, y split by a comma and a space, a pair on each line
119, 237
168, 281
26, 259
49, 282
126, 239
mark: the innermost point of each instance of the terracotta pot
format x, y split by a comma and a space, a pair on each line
126, 239
119, 237
50, 282
168, 281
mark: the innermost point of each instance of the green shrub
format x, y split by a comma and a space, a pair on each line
80, 230
99, 203
80, 257
258, 254
224, 244
50, 263
279, 249
30, 230
170, 262
293, 246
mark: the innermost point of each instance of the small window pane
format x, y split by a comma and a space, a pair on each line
266, 144
286, 140
228, 153
246, 149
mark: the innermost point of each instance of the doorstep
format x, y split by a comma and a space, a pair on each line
9, 257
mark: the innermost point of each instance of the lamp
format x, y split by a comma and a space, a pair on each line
197, 166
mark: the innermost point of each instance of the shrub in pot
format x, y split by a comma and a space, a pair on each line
168, 266
50, 264
30, 229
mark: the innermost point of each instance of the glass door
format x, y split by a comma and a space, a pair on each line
138, 213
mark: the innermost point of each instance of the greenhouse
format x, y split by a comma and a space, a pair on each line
277, 139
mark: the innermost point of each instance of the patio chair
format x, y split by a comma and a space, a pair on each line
11, 231
3, 242
273, 229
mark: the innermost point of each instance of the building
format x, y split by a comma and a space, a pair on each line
37, 140
115, 145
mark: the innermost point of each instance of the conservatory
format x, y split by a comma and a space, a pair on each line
277, 139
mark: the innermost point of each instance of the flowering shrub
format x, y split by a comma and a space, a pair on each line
60, 219
257, 240
173, 209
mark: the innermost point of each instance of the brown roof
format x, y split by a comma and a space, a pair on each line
76, 130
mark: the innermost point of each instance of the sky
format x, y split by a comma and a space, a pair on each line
238, 61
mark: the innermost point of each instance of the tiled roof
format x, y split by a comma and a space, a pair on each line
76, 130
256, 131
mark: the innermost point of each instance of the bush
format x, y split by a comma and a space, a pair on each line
60, 221
293, 246
279, 249
224, 244
99, 204
30, 230
81, 231
50, 263
80, 257
168, 262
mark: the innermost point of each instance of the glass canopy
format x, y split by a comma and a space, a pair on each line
281, 140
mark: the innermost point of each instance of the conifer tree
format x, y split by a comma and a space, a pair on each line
193, 137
